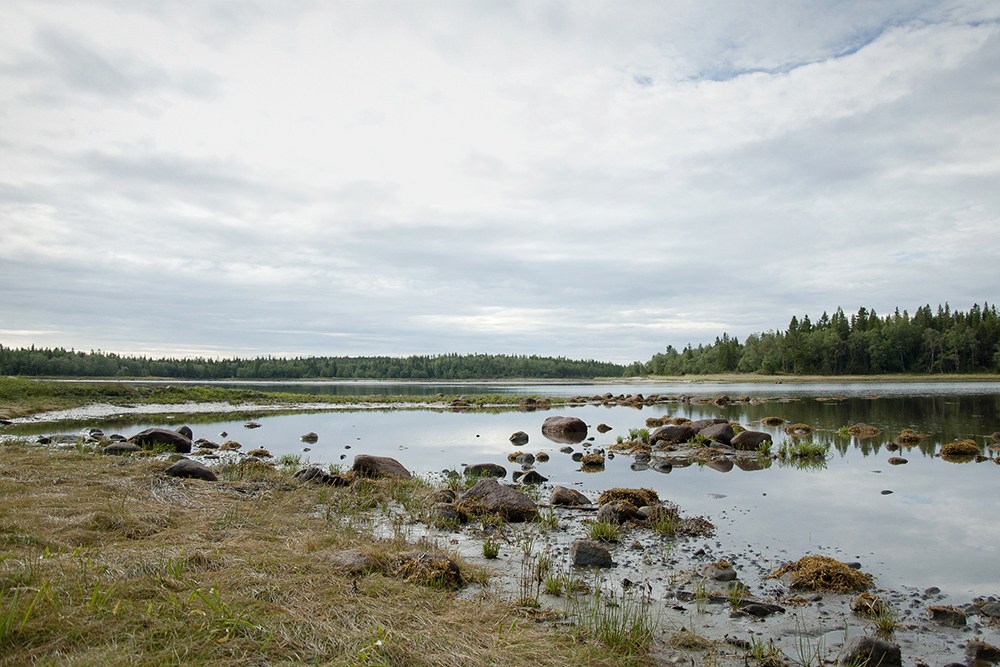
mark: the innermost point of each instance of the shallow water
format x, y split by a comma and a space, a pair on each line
938, 527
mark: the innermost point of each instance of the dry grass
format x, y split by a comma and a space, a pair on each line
960, 450
107, 561
822, 573
638, 497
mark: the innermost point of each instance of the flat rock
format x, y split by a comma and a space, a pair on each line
162, 436
588, 553
192, 470
564, 496
379, 466
489, 497
485, 470
870, 652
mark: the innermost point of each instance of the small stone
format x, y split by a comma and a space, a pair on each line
588, 553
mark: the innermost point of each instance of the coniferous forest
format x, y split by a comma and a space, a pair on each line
865, 343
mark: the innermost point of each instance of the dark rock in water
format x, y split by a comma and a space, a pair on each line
485, 470
603, 428
206, 444
489, 497
869, 652
886, 492
642, 457
533, 477
617, 513
191, 469
564, 429
977, 650
956, 618
564, 496
566, 450
722, 465
519, 438
162, 436
577, 456
379, 466
897, 461
749, 439
662, 466
309, 438
223, 434
320, 476
251, 425
115, 437
721, 432
186, 432
120, 448
671, 434
639, 467
95, 433
588, 553
525, 459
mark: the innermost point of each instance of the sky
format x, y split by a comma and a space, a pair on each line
592, 180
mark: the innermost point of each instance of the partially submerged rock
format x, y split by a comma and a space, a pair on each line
672, 434
564, 429
379, 466
485, 470
960, 451
152, 437
862, 430
749, 440
519, 438
489, 497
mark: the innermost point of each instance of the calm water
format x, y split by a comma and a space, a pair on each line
938, 527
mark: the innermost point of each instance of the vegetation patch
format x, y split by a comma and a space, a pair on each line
772, 421
638, 497
799, 430
822, 573
909, 437
864, 431
960, 451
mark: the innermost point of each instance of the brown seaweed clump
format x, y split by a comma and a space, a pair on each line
513, 455
772, 421
638, 497
960, 451
799, 429
863, 430
822, 573
656, 421
259, 453
908, 437
679, 421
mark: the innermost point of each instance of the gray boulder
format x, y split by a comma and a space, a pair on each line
721, 432
489, 497
353, 561
191, 469
152, 437
379, 466
672, 434
870, 652
588, 553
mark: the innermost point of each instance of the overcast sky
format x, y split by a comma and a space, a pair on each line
587, 179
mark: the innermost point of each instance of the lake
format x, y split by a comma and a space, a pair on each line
937, 527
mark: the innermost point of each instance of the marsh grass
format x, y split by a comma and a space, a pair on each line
604, 531
623, 623
106, 561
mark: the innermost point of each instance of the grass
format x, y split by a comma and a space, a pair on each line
491, 548
107, 561
803, 449
623, 623
638, 434
604, 531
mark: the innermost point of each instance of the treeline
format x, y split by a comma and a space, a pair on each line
945, 341
58, 362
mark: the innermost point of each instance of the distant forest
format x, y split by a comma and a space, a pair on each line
865, 343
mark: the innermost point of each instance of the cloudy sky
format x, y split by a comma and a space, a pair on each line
587, 179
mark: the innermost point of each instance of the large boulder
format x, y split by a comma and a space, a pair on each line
721, 432
671, 434
564, 429
749, 439
588, 553
152, 437
379, 466
489, 497
192, 470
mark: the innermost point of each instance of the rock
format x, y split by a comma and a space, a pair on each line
162, 436
897, 461
485, 470
761, 609
618, 512
251, 425
525, 459
489, 497
448, 513
309, 437
588, 553
977, 650
533, 477
722, 465
720, 432
749, 439
956, 618
519, 438
564, 429
379, 466
121, 448
672, 434
564, 496
320, 476
186, 432
603, 428
990, 609
869, 652
700, 424
566, 450
662, 465
96, 433
577, 456
191, 469
206, 444
712, 571
353, 561
541, 457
